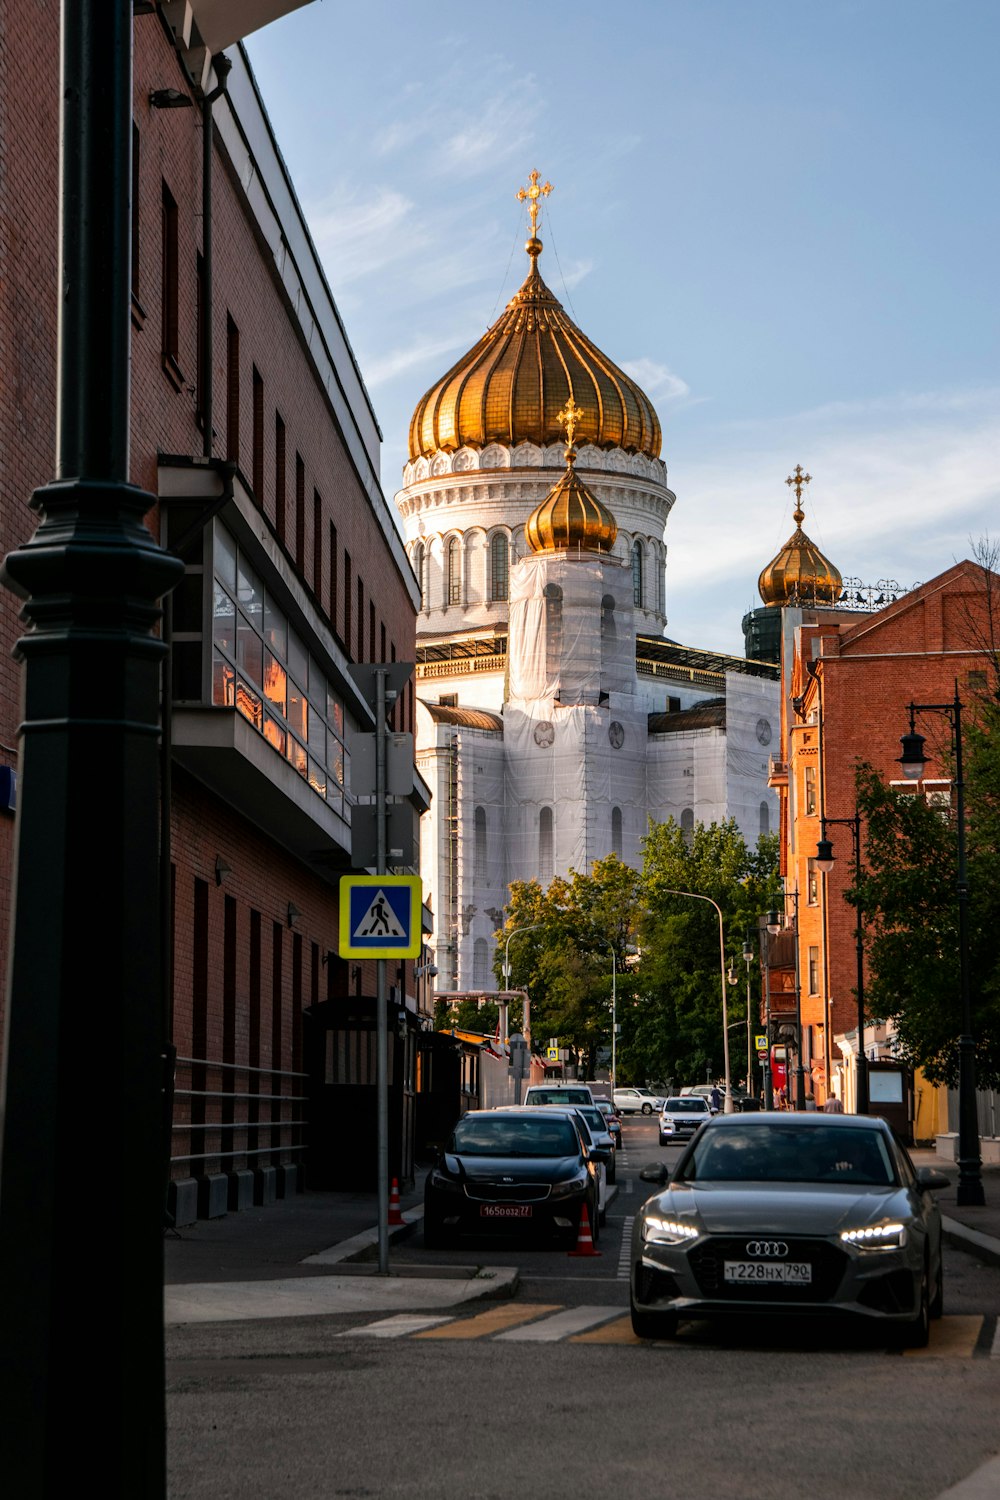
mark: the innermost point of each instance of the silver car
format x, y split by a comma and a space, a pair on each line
790, 1213
680, 1118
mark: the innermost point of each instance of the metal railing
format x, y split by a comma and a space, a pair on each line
242, 1117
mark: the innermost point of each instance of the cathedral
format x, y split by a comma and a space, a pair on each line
555, 718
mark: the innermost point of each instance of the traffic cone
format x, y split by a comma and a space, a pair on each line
395, 1217
584, 1240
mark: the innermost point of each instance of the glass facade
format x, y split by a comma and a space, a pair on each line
261, 667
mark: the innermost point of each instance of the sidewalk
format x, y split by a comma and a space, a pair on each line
975, 1230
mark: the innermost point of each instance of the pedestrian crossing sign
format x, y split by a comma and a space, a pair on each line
379, 916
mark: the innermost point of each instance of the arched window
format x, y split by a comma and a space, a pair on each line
479, 956
499, 566
545, 860
418, 568
616, 831
481, 865
454, 572
765, 818
638, 558
687, 825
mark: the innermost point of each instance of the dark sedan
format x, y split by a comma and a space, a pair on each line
504, 1172
794, 1213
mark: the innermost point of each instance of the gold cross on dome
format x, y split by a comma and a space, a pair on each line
798, 479
568, 418
532, 193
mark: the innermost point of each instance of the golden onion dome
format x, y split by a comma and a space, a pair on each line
510, 385
571, 514
800, 573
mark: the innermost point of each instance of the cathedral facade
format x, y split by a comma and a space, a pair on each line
554, 717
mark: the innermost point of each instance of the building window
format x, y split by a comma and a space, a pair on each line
317, 544
279, 477
361, 621
300, 514
232, 390
812, 883
687, 825
764, 818
481, 863
347, 602
258, 438
454, 572
418, 568
333, 576
814, 971
638, 558
499, 567
261, 668
616, 831
135, 215
480, 974
810, 791
546, 866
169, 290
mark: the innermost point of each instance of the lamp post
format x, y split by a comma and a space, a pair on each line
531, 927
970, 1181
824, 862
607, 943
748, 960
728, 1107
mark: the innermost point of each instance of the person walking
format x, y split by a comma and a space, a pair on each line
833, 1106
715, 1099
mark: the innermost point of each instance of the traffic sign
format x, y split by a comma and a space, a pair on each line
760, 1041
379, 916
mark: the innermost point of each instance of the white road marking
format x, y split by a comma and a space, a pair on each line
995, 1350
559, 1326
394, 1328
982, 1484
625, 1254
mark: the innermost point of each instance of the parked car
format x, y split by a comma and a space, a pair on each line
614, 1123
636, 1101
511, 1170
595, 1137
680, 1118
558, 1093
802, 1213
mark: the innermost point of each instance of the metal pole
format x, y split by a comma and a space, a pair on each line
729, 1108
382, 1030
800, 1072
765, 949
86, 892
970, 1182
614, 1018
862, 1102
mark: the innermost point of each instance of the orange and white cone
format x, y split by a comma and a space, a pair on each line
395, 1217
584, 1239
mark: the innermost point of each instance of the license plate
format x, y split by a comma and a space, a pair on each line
505, 1210
756, 1272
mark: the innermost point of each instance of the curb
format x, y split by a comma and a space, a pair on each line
985, 1247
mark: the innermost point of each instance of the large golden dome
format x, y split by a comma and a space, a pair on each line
800, 574
509, 387
571, 515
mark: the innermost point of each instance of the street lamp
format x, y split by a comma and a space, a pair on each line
748, 960
970, 1181
728, 1107
607, 943
532, 927
824, 862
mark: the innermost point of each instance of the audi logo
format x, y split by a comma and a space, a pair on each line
765, 1249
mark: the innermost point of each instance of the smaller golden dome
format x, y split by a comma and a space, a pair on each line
800, 574
571, 514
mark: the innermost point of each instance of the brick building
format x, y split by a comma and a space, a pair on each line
848, 681
294, 571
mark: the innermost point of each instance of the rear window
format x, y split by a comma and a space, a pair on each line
557, 1096
520, 1135
688, 1106
790, 1153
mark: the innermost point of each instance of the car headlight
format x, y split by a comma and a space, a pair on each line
570, 1186
444, 1183
876, 1237
667, 1231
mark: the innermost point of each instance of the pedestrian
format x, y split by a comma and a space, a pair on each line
833, 1106
716, 1099
780, 1101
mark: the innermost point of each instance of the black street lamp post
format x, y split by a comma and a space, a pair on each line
824, 862
970, 1180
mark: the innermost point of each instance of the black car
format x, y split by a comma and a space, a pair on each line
511, 1172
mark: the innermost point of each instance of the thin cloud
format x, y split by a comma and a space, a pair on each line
397, 361
659, 383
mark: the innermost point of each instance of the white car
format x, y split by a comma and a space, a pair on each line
636, 1101
680, 1118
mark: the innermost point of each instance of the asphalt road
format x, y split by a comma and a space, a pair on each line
549, 1395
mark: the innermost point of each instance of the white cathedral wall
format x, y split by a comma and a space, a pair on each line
686, 776
753, 720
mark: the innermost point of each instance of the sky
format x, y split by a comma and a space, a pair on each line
779, 216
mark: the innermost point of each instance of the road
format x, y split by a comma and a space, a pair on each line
550, 1395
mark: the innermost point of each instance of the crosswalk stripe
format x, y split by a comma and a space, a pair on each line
492, 1321
550, 1330
618, 1332
625, 1253
397, 1327
951, 1338
995, 1347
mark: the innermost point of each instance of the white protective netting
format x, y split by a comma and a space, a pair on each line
572, 632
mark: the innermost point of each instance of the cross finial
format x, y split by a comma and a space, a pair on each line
568, 418
532, 193
798, 479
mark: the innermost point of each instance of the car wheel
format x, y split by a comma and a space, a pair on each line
652, 1325
647, 1109
937, 1301
915, 1332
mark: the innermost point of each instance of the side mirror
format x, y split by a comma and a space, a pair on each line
656, 1173
599, 1153
930, 1180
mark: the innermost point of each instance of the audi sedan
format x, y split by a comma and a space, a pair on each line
680, 1118
505, 1171
809, 1214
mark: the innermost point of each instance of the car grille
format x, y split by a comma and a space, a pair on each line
891, 1293
507, 1192
828, 1264
654, 1286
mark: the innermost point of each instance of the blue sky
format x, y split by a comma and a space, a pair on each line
780, 215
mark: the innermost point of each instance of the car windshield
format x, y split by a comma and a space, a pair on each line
789, 1153
593, 1117
558, 1096
684, 1107
502, 1135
